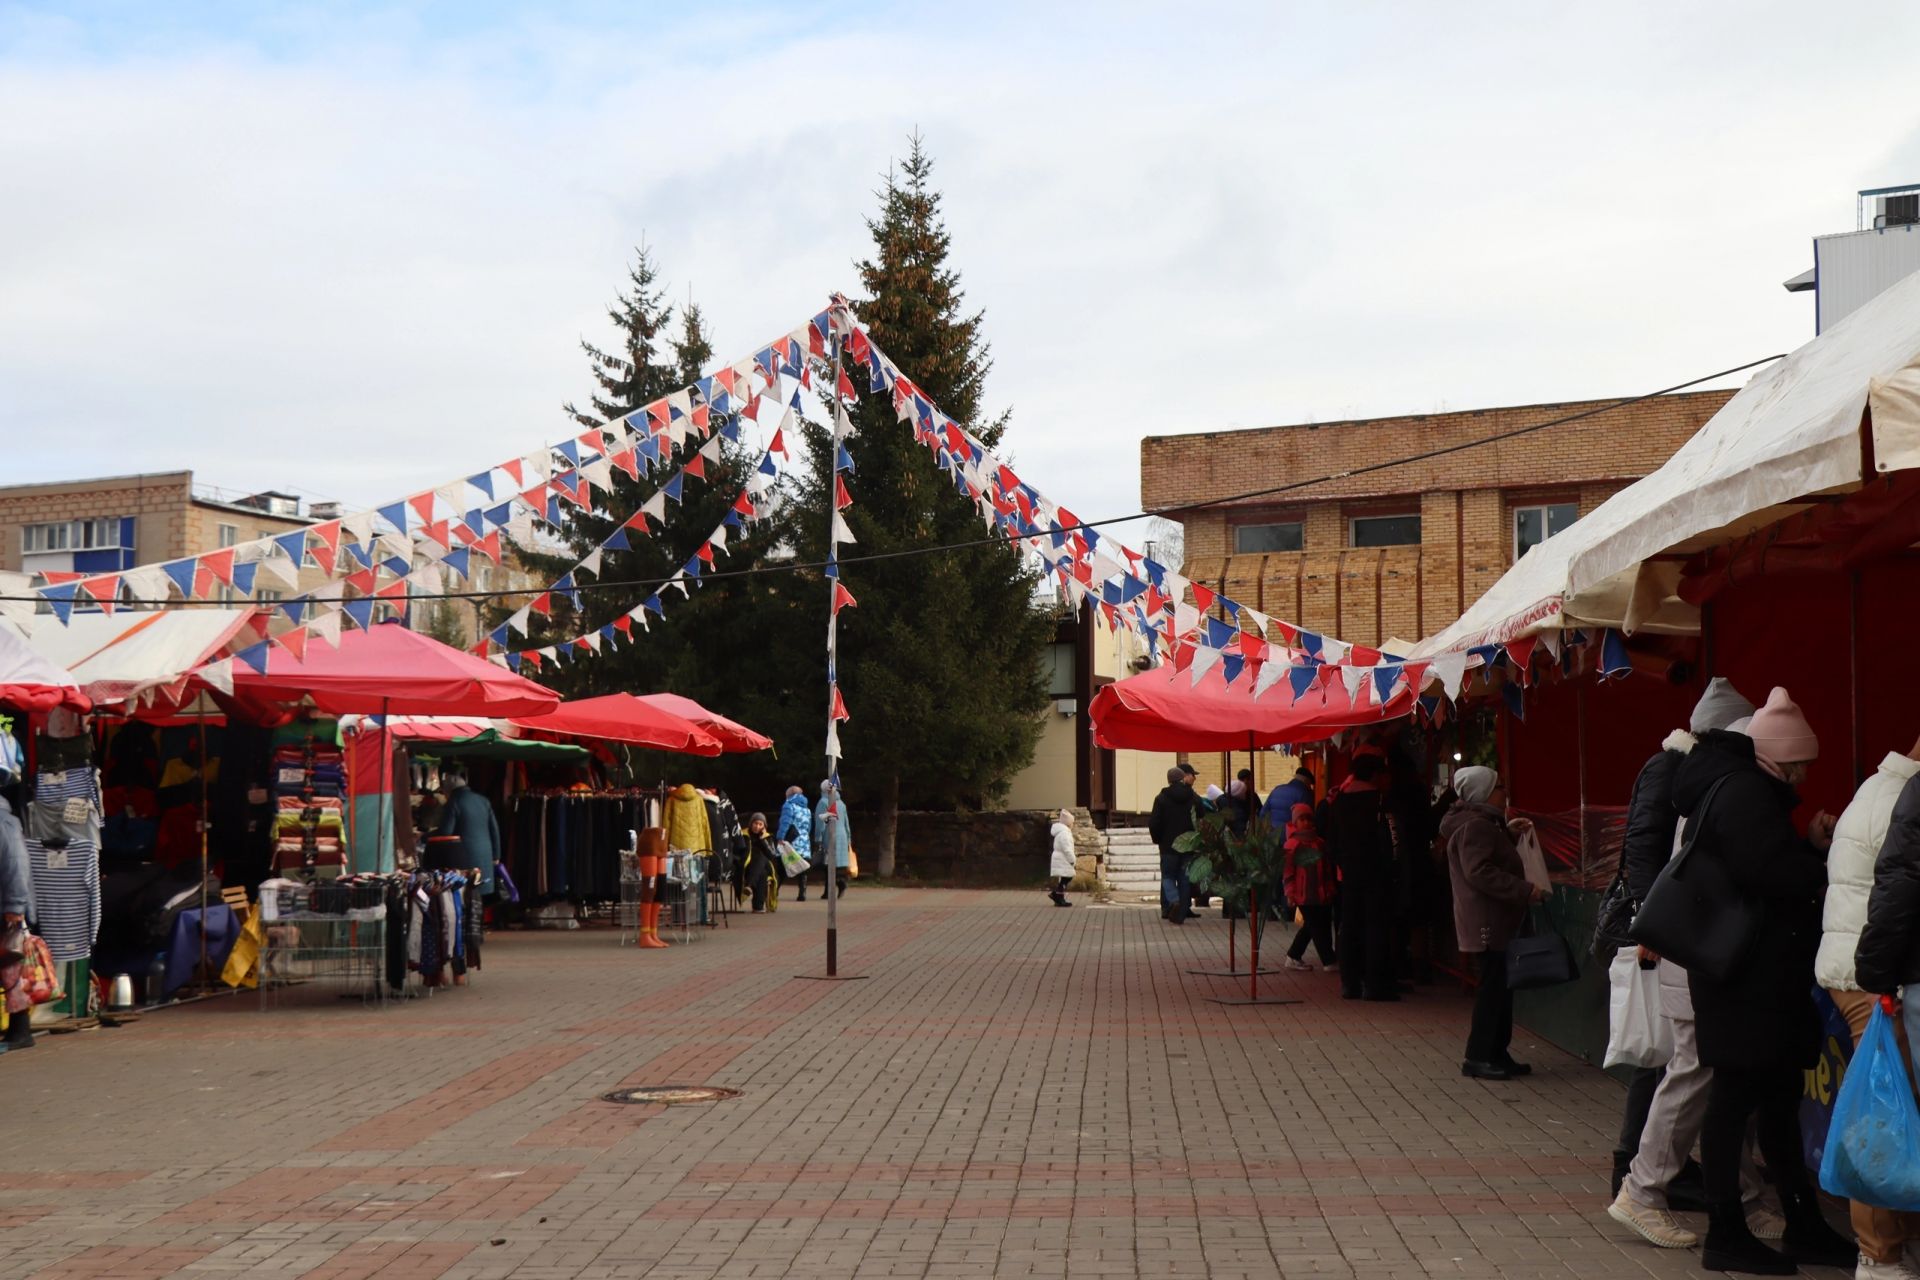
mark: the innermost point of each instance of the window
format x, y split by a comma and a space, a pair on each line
1250, 539
46, 537
1534, 525
229, 535
269, 595
92, 535
1385, 531
225, 594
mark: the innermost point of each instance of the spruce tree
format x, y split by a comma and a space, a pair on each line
941, 661
696, 648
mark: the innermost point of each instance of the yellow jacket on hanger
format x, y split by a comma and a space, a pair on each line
687, 827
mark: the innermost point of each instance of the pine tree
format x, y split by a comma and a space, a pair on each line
688, 651
941, 662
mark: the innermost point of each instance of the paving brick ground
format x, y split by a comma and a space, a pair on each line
1014, 1090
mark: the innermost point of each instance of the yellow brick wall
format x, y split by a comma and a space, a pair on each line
1465, 501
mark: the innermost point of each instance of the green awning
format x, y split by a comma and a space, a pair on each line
491, 746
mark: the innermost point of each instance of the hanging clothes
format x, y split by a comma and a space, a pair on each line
687, 824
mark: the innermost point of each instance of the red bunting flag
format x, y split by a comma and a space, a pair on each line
582, 643
624, 624
845, 388
514, 473
361, 581
535, 497
702, 417
779, 444
532, 658
638, 520
219, 564
105, 589
466, 536
294, 642
841, 498
1157, 601
593, 440
1202, 598
657, 416
744, 505
1106, 611
395, 590
1361, 656
859, 346
839, 705
438, 532
696, 466
489, 546
726, 380
422, 504
59, 577
627, 462
842, 597
542, 603
705, 552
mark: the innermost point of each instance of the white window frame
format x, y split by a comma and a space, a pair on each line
228, 535
1353, 528
44, 538
269, 595
1301, 525
1546, 521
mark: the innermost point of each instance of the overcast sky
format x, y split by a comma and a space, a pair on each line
351, 250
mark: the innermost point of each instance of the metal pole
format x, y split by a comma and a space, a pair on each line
831, 852
204, 815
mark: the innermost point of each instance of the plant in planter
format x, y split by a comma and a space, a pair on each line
1245, 870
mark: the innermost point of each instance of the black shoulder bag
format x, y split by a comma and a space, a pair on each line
1613, 922
1695, 915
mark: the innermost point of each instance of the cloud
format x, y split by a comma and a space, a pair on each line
356, 255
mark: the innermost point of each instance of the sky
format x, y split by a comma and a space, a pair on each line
351, 250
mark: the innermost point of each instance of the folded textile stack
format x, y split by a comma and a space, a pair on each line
309, 779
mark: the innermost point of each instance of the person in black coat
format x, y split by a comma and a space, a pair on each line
1360, 839
1652, 824
1172, 817
1758, 1029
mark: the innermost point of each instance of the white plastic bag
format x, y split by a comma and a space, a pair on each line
1534, 859
1638, 1034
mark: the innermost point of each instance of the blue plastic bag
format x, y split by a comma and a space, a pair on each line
1873, 1145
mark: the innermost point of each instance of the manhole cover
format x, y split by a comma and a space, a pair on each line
673, 1095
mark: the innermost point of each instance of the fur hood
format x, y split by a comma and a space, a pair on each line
1679, 740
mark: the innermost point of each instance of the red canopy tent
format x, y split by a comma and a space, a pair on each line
623, 717
733, 736
1163, 710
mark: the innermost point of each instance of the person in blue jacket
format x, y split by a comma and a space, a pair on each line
1278, 810
833, 839
796, 828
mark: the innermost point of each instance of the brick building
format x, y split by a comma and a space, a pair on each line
1398, 553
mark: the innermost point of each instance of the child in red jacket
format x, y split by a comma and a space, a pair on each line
1310, 886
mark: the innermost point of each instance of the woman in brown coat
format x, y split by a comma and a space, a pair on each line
1490, 899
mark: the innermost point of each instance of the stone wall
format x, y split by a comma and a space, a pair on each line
986, 850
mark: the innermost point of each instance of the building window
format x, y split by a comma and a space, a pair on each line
46, 537
225, 594
269, 595
1385, 531
1250, 539
1534, 525
229, 535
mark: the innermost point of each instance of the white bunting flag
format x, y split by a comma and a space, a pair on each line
591, 564
840, 531
1356, 679
1204, 660
1271, 673
1450, 669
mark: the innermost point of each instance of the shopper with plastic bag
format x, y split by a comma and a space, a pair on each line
1887, 957
1873, 1141
1873, 832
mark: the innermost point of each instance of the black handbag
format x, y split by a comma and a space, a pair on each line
1539, 958
1695, 915
1613, 922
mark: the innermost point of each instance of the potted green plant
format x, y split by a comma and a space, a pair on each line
1245, 870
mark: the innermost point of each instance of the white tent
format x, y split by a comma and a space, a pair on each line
115, 658
1795, 431
30, 681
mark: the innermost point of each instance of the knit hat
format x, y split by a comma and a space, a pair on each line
1781, 733
1213, 791
1719, 706
1475, 783
760, 818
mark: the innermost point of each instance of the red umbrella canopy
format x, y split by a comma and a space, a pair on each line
1163, 710
390, 670
622, 717
733, 736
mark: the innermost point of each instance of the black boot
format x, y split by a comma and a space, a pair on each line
1622, 1163
19, 1030
1731, 1246
1810, 1237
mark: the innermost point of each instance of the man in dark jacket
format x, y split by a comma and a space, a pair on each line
1280, 801
1652, 823
1360, 839
470, 816
1172, 817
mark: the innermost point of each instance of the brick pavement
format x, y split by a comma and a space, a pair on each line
1014, 1091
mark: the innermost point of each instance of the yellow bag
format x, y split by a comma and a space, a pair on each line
853, 864
243, 966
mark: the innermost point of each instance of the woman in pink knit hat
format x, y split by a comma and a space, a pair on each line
1757, 1029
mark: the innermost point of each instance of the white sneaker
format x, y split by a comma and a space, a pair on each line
1298, 966
1655, 1226
1897, 1270
1765, 1223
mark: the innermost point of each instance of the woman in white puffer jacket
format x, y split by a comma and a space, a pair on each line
1858, 838
1060, 863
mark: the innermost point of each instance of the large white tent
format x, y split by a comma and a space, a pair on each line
1798, 430
117, 657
